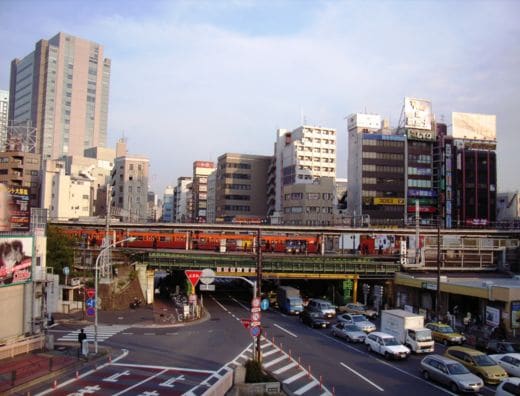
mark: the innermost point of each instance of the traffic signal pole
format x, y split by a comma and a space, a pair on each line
258, 294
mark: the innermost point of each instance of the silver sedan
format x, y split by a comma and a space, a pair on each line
349, 332
358, 320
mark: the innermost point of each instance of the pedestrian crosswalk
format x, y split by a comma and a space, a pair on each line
293, 376
104, 332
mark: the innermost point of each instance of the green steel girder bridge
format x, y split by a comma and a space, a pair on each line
272, 266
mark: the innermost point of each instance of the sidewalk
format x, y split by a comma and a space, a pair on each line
22, 372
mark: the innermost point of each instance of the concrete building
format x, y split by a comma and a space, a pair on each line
70, 196
20, 172
130, 188
309, 204
212, 191
167, 207
182, 200
62, 88
508, 208
4, 106
201, 171
301, 156
241, 188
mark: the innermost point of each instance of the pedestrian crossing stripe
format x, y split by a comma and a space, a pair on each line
104, 332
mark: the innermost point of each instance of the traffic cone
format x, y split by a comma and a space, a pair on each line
77, 374
55, 384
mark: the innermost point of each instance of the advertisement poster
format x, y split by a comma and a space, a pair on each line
15, 260
19, 208
492, 316
515, 314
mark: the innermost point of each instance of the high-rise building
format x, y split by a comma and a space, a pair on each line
241, 188
182, 202
167, 211
201, 171
301, 156
212, 191
62, 88
4, 106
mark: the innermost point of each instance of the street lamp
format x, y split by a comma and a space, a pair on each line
96, 281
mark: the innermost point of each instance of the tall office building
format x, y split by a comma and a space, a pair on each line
301, 157
182, 200
241, 188
4, 106
201, 171
62, 89
167, 209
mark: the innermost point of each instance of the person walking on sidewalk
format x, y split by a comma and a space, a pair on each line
81, 337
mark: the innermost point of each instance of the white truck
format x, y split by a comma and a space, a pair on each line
408, 328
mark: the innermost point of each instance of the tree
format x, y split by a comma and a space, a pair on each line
60, 250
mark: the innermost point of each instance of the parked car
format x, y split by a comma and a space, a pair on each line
349, 332
509, 362
508, 387
477, 362
451, 373
496, 346
359, 320
358, 308
444, 333
314, 319
386, 345
324, 307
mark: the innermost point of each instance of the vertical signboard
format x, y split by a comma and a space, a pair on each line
19, 208
15, 260
418, 114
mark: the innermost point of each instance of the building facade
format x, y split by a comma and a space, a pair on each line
301, 156
62, 89
201, 171
168, 205
4, 107
182, 200
241, 188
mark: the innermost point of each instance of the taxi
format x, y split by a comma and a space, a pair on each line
445, 334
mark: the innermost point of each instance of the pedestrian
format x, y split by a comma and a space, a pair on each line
81, 337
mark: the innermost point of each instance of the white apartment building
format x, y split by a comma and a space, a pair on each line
182, 200
301, 157
4, 106
65, 196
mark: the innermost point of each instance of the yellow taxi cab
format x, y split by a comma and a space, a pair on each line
444, 333
478, 363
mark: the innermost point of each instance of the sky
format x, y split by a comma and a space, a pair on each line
192, 80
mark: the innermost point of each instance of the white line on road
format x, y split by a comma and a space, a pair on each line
362, 377
307, 387
287, 331
273, 362
141, 382
295, 377
285, 368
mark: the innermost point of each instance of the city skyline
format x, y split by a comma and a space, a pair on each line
230, 73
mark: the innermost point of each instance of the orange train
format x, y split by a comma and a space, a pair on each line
199, 240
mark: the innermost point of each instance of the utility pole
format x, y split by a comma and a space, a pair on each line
258, 285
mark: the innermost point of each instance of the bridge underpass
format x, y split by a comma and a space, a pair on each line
309, 267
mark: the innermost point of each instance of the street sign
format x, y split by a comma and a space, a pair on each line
255, 317
90, 292
255, 302
246, 323
258, 309
255, 331
193, 276
207, 277
207, 287
255, 323
91, 311
264, 304
91, 302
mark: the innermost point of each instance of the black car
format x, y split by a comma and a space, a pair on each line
496, 346
314, 319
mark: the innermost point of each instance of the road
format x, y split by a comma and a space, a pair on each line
307, 361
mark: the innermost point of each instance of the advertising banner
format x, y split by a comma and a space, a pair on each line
492, 316
15, 260
474, 126
515, 314
19, 208
388, 201
418, 114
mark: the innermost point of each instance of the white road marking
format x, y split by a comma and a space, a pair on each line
115, 377
362, 377
269, 353
295, 377
307, 387
273, 362
285, 368
141, 382
287, 331
162, 367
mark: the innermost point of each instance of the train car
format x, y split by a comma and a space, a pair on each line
156, 240
216, 241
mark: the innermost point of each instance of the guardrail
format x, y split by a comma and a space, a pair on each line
16, 346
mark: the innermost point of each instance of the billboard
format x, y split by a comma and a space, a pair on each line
388, 201
418, 114
359, 120
19, 208
16, 256
474, 126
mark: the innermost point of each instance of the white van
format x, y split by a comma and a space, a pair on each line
322, 306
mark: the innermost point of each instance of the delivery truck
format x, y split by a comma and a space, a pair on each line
408, 328
289, 300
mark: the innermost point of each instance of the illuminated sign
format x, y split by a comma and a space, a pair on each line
420, 134
388, 201
19, 208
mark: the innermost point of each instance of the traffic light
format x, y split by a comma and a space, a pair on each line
366, 288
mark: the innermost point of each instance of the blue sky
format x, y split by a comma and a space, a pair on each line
193, 80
